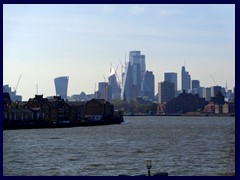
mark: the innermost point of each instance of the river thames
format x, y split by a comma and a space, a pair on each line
180, 146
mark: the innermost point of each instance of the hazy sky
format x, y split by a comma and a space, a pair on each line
41, 42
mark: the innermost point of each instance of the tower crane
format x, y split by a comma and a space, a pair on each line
17, 84
122, 67
214, 80
104, 79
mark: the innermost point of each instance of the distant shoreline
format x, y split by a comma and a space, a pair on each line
191, 115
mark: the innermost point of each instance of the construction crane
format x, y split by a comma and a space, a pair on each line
214, 80
122, 67
118, 79
104, 79
15, 91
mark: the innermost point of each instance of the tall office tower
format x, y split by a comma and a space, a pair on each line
195, 86
61, 86
116, 90
165, 91
207, 93
186, 80
215, 90
148, 85
104, 91
133, 76
200, 91
135, 59
171, 77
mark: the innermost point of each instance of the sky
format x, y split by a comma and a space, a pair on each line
82, 41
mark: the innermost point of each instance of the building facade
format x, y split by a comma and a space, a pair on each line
133, 76
195, 84
115, 86
165, 91
148, 85
12, 94
61, 86
171, 77
207, 93
186, 80
215, 90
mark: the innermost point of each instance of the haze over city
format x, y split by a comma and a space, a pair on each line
42, 42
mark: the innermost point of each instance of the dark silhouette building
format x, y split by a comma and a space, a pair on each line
166, 91
185, 102
148, 85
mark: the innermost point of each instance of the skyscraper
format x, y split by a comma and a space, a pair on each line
61, 86
135, 59
165, 91
171, 77
195, 84
207, 93
133, 76
186, 80
215, 90
195, 87
148, 85
112, 82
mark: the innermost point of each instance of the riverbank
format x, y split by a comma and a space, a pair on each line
188, 114
61, 124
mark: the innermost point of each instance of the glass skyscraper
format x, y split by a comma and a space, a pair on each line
61, 85
171, 77
148, 85
133, 77
186, 80
116, 90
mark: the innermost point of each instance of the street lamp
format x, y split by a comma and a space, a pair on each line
149, 166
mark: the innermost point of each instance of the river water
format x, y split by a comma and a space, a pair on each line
180, 146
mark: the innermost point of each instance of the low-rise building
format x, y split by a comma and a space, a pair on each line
97, 108
218, 109
229, 108
209, 108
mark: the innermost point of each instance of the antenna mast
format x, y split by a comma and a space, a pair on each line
37, 88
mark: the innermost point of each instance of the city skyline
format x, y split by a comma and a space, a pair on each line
42, 42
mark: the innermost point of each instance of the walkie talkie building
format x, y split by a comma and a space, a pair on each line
61, 86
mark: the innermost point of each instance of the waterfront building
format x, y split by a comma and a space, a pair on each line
97, 108
61, 86
133, 76
229, 108
148, 85
185, 102
55, 109
171, 77
186, 80
165, 91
